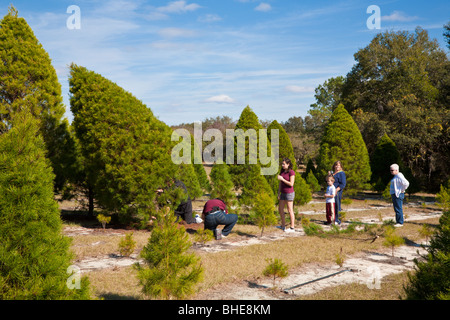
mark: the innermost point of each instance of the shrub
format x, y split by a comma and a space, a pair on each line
127, 245
275, 269
170, 272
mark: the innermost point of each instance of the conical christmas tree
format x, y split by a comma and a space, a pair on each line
342, 141
29, 81
127, 150
34, 256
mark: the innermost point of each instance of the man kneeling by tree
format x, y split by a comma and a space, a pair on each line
215, 213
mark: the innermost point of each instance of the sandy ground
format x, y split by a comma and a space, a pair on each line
367, 268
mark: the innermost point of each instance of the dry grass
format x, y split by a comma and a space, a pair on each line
248, 262
100, 244
391, 289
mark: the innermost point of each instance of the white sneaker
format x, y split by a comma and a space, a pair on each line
398, 225
289, 230
198, 219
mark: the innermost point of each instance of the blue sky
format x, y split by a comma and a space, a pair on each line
194, 59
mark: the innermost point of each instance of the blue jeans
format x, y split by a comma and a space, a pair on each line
213, 220
398, 207
337, 206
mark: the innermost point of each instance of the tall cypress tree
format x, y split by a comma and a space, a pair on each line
29, 81
342, 141
248, 176
127, 150
34, 256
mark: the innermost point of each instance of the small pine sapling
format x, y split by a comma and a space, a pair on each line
264, 211
127, 245
276, 269
392, 240
170, 270
104, 220
426, 231
203, 235
340, 258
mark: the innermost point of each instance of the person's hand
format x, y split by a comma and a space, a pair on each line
280, 178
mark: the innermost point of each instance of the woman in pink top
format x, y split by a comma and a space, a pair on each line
286, 194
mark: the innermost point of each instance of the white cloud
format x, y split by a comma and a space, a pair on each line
176, 33
220, 99
210, 18
299, 89
264, 7
399, 16
179, 7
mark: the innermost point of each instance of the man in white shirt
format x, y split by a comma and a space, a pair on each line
399, 184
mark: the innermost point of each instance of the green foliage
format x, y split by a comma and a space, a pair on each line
443, 197
127, 245
34, 256
312, 181
343, 141
29, 81
430, 281
247, 121
170, 272
276, 269
263, 211
383, 157
104, 220
303, 193
222, 185
203, 235
126, 150
311, 228
391, 239
340, 258
285, 146
399, 86
254, 184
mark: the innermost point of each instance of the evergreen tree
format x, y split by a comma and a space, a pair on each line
342, 141
126, 150
286, 150
384, 156
222, 185
34, 256
248, 176
263, 214
303, 191
254, 184
170, 272
29, 81
399, 85
430, 281
247, 121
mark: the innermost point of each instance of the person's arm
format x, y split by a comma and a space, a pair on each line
289, 183
404, 182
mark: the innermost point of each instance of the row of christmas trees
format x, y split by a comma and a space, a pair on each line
117, 151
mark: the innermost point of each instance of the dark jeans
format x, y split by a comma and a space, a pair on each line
213, 220
337, 206
398, 207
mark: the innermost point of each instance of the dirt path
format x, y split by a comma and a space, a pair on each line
364, 268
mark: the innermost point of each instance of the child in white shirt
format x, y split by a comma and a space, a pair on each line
329, 196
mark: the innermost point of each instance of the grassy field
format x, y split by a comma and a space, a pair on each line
246, 262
